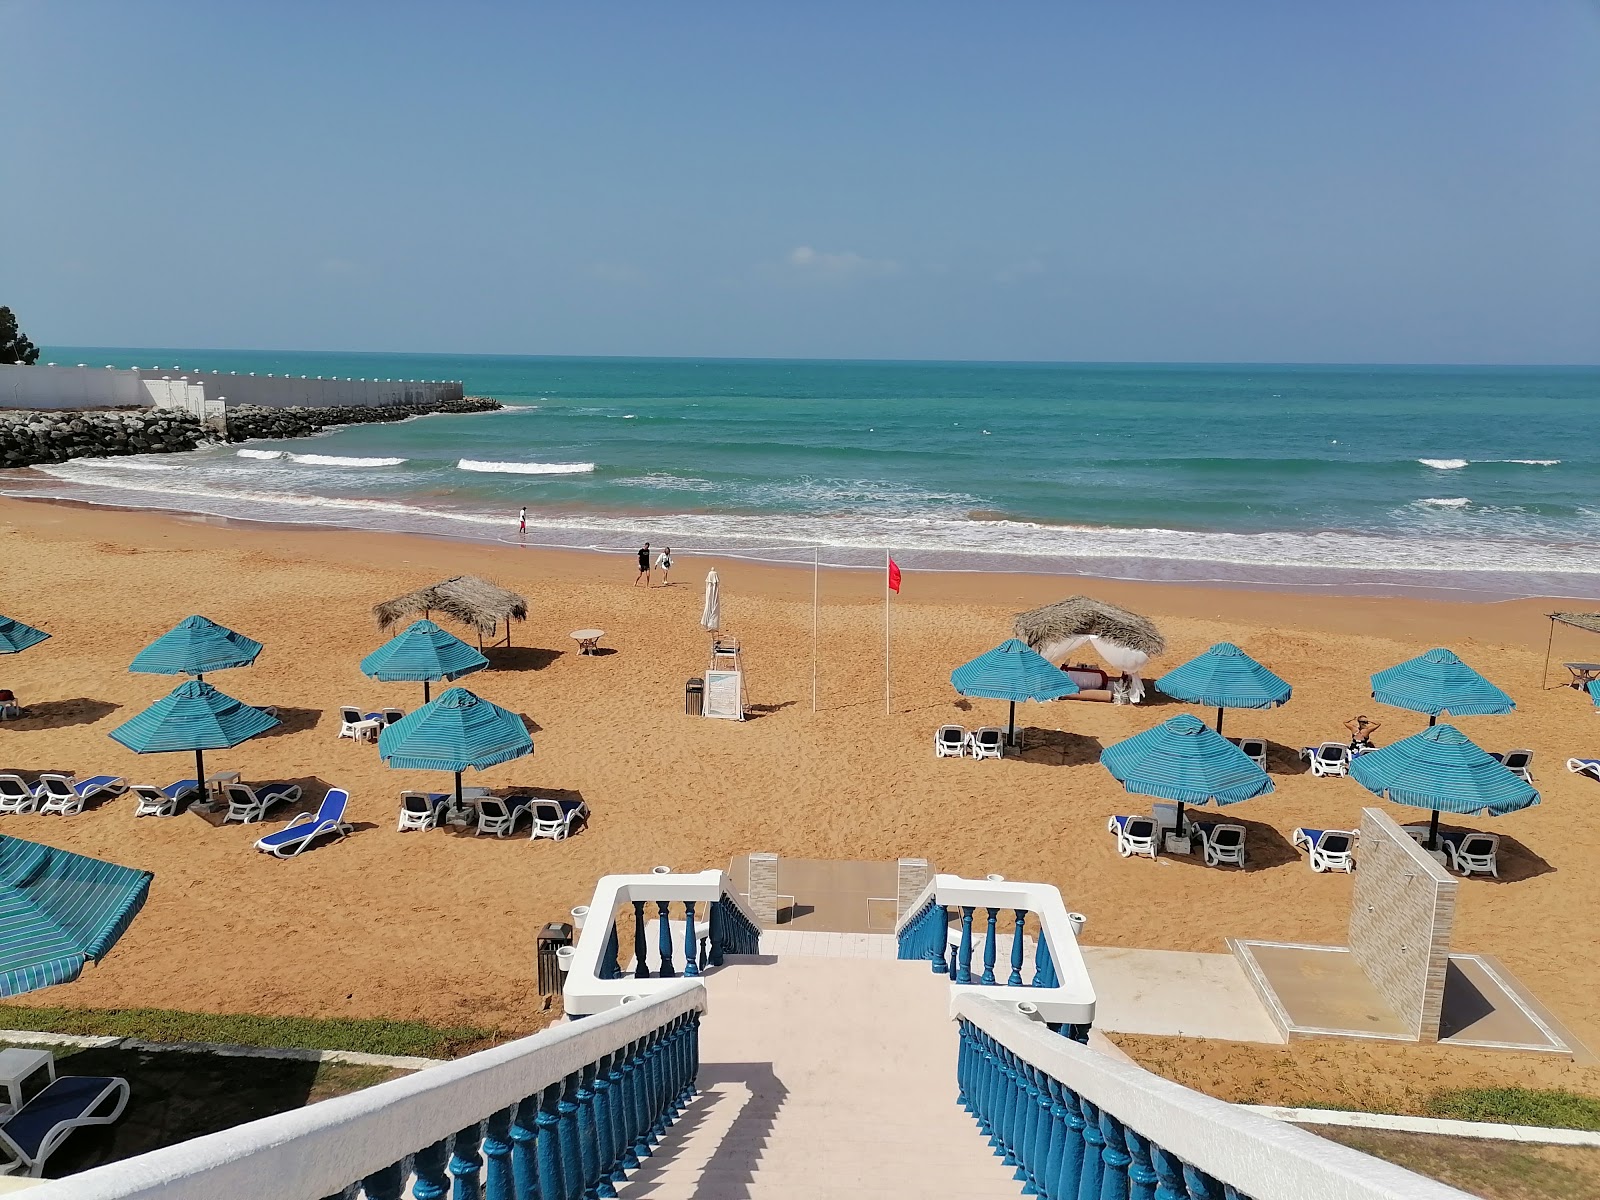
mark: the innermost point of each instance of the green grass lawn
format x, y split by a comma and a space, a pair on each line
242, 1029
177, 1095
1492, 1170
1518, 1106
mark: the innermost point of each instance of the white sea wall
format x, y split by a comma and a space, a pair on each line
40, 388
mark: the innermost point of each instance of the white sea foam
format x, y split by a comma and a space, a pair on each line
139, 466
525, 468
1452, 502
1533, 462
260, 453
1443, 464
337, 460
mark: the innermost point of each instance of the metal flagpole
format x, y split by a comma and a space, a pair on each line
887, 709
816, 570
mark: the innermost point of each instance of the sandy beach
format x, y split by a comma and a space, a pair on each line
440, 926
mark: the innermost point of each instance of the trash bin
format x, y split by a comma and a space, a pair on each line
552, 938
694, 697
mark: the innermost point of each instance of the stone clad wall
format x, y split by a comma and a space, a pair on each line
1400, 921
250, 421
27, 438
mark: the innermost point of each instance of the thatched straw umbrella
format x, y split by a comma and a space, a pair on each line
1083, 617
474, 602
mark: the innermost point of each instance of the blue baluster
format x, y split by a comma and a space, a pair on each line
1027, 1129
693, 1087
1169, 1174
616, 1118
547, 1152
588, 1139
524, 1163
605, 1151
938, 939
498, 1177
1141, 1177
1008, 1109
429, 1167
964, 960
387, 1184
1041, 1168
641, 1097
466, 1164
641, 944
1201, 1186
1044, 967
1016, 949
1115, 1156
1058, 1135
714, 919
665, 971
609, 967
964, 1065
1093, 1142
1070, 1176
691, 966
989, 948
572, 1176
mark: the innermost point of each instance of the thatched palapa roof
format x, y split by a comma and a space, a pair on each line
466, 598
1589, 621
1080, 616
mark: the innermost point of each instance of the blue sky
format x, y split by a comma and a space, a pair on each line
1399, 181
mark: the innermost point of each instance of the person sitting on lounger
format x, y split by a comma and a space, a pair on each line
1361, 731
9, 708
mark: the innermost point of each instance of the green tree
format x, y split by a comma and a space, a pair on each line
14, 347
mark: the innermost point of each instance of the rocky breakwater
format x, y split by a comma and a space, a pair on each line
254, 421
28, 438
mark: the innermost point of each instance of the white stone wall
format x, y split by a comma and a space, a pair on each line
102, 387
40, 388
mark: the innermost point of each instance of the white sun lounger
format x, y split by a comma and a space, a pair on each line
65, 795
1135, 835
162, 801
1328, 849
300, 833
949, 741
358, 725
1255, 749
1578, 766
1223, 843
17, 796
988, 742
1518, 762
1474, 853
498, 816
1330, 758
248, 804
557, 818
36, 1130
421, 810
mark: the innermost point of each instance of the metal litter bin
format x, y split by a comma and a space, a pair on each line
551, 938
694, 697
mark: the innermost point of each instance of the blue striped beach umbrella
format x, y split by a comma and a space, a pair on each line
1443, 770
59, 910
1184, 759
194, 646
1438, 682
422, 653
1225, 677
455, 732
15, 637
194, 716
1012, 671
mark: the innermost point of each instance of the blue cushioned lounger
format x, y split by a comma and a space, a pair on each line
39, 1127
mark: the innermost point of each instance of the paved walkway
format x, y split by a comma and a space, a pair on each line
1176, 993
824, 1077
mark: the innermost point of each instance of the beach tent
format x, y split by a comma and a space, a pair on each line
1225, 677
195, 646
711, 614
194, 716
454, 732
422, 654
15, 637
1125, 640
1438, 682
1184, 759
1590, 622
477, 603
59, 910
1441, 769
1011, 671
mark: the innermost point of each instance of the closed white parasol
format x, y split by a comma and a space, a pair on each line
711, 616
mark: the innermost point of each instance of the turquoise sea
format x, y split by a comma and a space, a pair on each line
1358, 478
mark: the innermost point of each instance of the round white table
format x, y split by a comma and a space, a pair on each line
588, 639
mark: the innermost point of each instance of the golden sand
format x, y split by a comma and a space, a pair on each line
440, 925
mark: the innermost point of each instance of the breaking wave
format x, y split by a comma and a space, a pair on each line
525, 468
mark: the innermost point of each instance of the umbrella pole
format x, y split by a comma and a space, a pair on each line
461, 804
425, 696
1433, 719
200, 774
1433, 831
1179, 829
1219, 718
1011, 722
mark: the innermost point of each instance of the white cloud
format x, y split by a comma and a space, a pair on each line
809, 263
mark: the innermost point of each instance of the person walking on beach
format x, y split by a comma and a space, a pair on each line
644, 565
522, 521
665, 564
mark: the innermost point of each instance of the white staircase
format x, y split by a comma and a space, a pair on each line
827, 1073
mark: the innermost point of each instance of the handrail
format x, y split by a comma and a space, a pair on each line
592, 988
1060, 988
615, 1082
1076, 1122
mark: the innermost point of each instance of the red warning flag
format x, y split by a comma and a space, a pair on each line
894, 577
